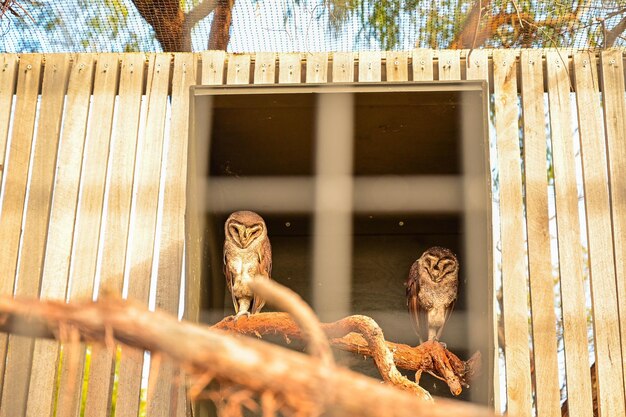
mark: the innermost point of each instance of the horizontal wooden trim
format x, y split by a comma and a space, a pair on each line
371, 194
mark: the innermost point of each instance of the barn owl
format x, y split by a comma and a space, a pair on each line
431, 291
247, 253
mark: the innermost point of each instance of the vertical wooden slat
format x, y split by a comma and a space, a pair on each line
122, 166
512, 236
120, 186
570, 249
370, 65
598, 215
289, 68
34, 231
173, 225
537, 228
477, 65
397, 66
343, 67
16, 173
317, 67
449, 65
143, 228
8, 71
89, 216
615, 127
213, 67
422, 65
63, 215
35, 234
238, 69
264, 68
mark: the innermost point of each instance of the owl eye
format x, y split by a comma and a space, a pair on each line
449, 266
234, 232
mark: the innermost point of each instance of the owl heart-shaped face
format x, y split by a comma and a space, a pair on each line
243, 235
439, 265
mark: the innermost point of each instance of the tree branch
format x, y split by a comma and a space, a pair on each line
195, 15
268, 371
199, 12
166, 18
287, 300
361, 335
467, 37
613, 34
220, 26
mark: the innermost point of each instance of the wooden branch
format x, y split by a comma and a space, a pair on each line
166, 18
172, 27
612, 35
194, 16
285, 299
361, 335
274, 374
199, 12
467, 37
220, 26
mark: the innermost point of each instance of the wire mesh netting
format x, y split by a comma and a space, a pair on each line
306, 25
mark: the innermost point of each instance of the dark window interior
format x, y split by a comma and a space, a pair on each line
397, 134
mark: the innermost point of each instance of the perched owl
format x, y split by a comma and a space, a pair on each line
431, 291
247, 253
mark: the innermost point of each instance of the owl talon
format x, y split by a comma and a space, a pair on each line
418, 375
238, 315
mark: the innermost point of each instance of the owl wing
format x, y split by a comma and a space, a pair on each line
449, 308
229, 278
418, 315
265, 268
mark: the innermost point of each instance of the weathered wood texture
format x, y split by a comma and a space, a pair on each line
615, 128
514, 289
89, 217
569, 243
38, 397
109, 206
397, 66
34, 231
64, 204
289, 68
16, 173
144, 213
537, 229
172, 232
600, 240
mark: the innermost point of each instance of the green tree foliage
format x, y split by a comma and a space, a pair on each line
152, 25
493, 23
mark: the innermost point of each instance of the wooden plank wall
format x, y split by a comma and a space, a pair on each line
93, 155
